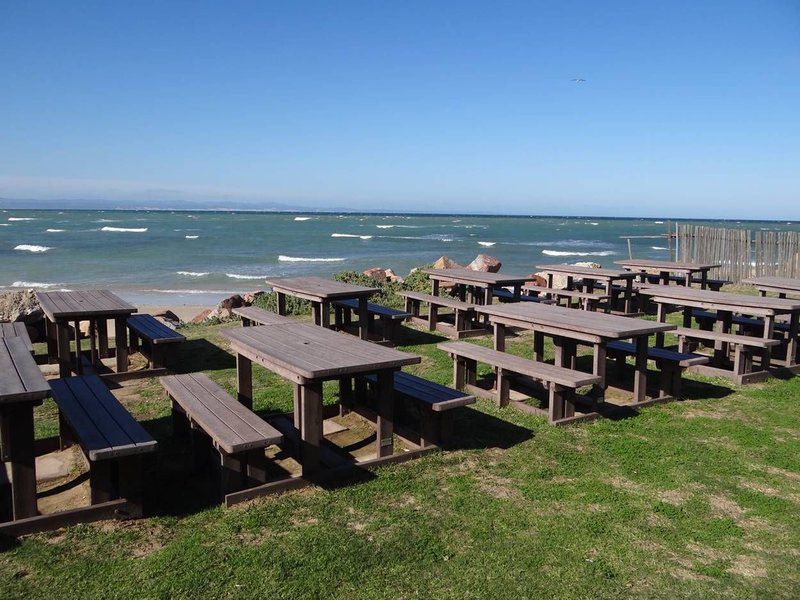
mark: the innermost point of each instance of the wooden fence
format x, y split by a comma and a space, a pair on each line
741, 252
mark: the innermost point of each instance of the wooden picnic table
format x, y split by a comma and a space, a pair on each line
590, 276
479, 284
307, 356
666, 267
95, 306
321, 293
727, 304
16, 329
567, 327
22, 387
783, 286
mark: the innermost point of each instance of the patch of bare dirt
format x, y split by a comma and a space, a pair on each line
724, 506
749, 566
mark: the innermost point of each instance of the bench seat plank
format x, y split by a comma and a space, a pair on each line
150, 328
439, 300
439, 397
104, 427
731, 338
739, 320
261, 315
523, 366
233, 427
683, 359
376, 309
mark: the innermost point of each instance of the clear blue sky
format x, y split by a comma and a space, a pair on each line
688, 108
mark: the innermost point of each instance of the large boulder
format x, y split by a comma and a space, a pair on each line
392, 276
377, 274
20, 305
202, 317
538, 280
444, 262
486, 263
226, 306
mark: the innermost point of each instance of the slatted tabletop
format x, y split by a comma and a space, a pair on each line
82, 304
319, 288
738, 303
314, 352
587, 272
579, 321
478, 278
784, 285
20, 377
17, 329
666, 265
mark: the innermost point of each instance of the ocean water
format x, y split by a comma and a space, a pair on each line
199, 257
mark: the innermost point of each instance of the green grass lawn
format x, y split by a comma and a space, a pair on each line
685, 499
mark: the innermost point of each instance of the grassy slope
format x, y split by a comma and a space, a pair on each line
685, 499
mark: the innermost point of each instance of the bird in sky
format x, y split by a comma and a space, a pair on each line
579, 80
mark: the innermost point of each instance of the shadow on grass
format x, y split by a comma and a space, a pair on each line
201, 355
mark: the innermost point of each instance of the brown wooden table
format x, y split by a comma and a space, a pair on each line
667, 267
321, 293
307, 356
95, 306
480, 285
17, 329
590, 276
22, 387
727, 304
567, 327
782, 286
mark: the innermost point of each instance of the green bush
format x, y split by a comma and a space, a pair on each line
388, 294
294, 306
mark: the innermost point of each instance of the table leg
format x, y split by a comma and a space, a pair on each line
704, 279
281, 303
791, 343
664, 277
500, 337
435, 287
629, 296
16, 424
724, 319
688, 280
298, 415
78, 352
52, 341
640, 375
121, 343
325, 320
316, 310
102, 338
363, 316
93, 341
517, 292
769, 329
310, 427
661, 317
64, 353
384, 428
599, 368
244, 380
538, 346
488, 293
560, 353
687, 316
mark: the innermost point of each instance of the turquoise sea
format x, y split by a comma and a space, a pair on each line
182, 257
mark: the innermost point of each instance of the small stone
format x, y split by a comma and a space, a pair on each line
377, 274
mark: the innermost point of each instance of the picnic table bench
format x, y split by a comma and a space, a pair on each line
157, 336
463, 314
670, 363
586, 300
236, 434
18, 330
561, 382
584, 279
782, 286
689, 271
436, 401
390, 318
112, 441
260, 316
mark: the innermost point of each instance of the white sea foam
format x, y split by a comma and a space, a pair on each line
191, 237
240, 276
487, 244
566, 253
54, 230
302, 218
124, 229
32, 248
384, 226
193, 273
659, 248
107, 221
351, 235
4, 224
284, 258
21, 219
33, 284
658, 222
594, 223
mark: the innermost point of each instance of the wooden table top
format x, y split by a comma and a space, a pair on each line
665, 265
20, 377
319, 288
777, 284
570, 319
678, 294
83, 304
314, 352
477, 278
587, 271
17, 329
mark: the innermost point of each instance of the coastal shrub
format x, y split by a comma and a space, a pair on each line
387, 294
417, 281
294, 306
